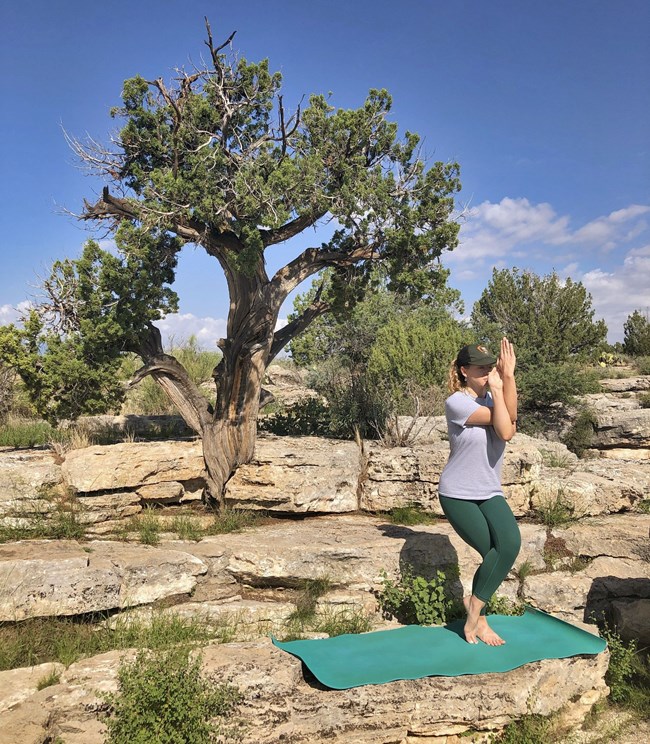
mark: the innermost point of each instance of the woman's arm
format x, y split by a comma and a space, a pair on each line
506, 369
498, 415
502, 423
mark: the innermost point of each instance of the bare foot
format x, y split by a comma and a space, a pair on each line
473, 605
486, 634
477, 628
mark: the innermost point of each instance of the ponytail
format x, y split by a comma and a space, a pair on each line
456, 380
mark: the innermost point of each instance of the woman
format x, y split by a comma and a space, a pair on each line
480, 422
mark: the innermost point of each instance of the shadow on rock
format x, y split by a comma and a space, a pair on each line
624, 604
427, 553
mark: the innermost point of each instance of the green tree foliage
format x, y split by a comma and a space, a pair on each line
548, 320
551, 324
374, 359
214, 159
636, 339
68, 350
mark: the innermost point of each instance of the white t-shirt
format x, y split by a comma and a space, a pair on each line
473, 471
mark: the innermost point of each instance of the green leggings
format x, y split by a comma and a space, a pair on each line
490, 527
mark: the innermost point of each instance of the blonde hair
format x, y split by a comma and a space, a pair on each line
456, 380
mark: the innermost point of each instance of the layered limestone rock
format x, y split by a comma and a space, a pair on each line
298, 475
409, 475
280, 705
601, 561
129, 466
29, 486
46, 578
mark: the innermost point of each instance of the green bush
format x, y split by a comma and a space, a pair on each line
643, 365
581, 433
644, 400
308, 417
414, 599
544, 385
500, 605
621, 664
413, 350
532, 729
163, 698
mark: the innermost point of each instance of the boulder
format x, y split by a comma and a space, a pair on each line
17, 685
626, 384
298, 475
49, 578
396, 476
30, 482
129, 466
279, 704
621, 428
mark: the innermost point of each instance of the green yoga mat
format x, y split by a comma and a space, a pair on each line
414, 651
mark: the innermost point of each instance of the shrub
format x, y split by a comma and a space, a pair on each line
500, 605
580, 435
308, 417
546, 384
163, 698
621, 664
410, 514
644, 400
643, 365
414, 599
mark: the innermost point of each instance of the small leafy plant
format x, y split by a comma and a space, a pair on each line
414, 599
162, 697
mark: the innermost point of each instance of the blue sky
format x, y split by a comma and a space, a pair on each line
546, 106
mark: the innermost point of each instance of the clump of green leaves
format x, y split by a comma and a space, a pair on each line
644, 400
414, 599
162, 697
555, 510
410, 514
622, 658
500, 605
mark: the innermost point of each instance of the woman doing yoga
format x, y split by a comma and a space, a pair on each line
481, 417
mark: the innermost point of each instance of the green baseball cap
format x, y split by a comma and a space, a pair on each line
474, 354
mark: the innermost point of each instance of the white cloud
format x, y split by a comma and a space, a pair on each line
494, 231
616, 294
177, 328
12, 313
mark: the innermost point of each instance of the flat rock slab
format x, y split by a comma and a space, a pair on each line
50, 578
349, 551
131, 465
279, 705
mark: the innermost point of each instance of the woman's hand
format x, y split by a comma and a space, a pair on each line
507, 359
495, 380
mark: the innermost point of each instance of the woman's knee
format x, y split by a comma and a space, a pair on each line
510, 545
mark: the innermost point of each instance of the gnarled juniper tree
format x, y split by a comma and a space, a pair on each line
212, 159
